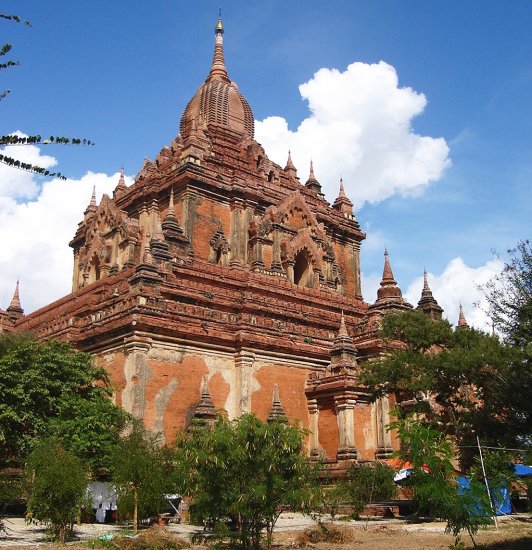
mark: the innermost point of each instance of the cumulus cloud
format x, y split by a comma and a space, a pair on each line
38, 218
359, 128
458, 283
370, 285
17, 184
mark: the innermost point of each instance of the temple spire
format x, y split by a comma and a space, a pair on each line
387, 274
342, 202
276, 412
218, 70
341, 193
289, 163
389, 295
146, 271
312, 182
121, 185
15, 310
427, 303
147, 257
93, 197
92, 204
290, 168
171, 202
462, 323
344, 351
342, 332
158, 245
122, 181
205, 410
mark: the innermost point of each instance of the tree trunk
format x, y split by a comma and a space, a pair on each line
135, 510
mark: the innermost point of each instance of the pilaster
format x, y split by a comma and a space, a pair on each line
356, 270
276, 250
244, 361
290, 270
345, 416
236, 257
136, 373
382, 418
314, 411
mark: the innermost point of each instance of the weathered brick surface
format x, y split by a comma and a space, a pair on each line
291, 382
328, 431
364, 432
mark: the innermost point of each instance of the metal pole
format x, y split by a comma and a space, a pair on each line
493, 508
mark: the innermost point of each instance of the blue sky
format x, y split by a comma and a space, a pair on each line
121, 73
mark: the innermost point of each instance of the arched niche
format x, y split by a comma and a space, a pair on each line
303, 269
95, 269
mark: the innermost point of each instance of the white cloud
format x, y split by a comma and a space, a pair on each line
18, 184
459, 283
359, 128
370, 286
36, 230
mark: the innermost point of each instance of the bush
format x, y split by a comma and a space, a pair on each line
142, 473
57, 482
367, 483
433, 481
248, 472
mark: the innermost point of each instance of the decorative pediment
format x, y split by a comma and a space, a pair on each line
109, 217
302, 242
294, 213
108, 242
148, 169
218, 240
300, 248
219, 252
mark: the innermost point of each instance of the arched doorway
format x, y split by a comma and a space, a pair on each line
94, 274
302, 269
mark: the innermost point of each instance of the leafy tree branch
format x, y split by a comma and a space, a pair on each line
15, 18
12, 140
464, 382
27, 167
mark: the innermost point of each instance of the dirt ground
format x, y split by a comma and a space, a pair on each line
514, 533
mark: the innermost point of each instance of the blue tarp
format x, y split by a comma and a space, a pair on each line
522, 470
499, 495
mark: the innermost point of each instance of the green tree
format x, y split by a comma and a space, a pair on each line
57, 482
6, 49
332, 497
248, 472
430, 452
48, 388
464, 381
509, 296
367, 483
141, 470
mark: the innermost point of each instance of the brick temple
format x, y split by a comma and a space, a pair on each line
220, 280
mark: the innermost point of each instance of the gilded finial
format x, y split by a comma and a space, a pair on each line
218, 70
